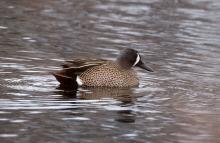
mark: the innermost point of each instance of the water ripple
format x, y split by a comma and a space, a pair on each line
176, 103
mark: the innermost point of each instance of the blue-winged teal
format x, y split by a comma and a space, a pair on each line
102, 73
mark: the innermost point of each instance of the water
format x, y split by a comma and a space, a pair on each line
179, 102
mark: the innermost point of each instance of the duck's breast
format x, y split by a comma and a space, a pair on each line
109, 75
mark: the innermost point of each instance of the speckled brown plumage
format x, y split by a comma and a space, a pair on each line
109, 75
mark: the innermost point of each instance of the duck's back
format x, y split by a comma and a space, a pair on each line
109, 75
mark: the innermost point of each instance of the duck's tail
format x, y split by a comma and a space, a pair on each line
66, 82
67, 77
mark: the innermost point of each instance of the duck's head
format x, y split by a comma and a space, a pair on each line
129, 58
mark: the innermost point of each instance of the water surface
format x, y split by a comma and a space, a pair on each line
179, 102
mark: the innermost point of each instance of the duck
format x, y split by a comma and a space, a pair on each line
102, 73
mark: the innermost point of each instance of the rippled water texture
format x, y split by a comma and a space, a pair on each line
179, 102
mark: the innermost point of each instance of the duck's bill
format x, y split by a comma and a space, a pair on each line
143, 66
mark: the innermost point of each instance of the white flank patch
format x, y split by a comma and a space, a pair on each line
137, 59
79, 81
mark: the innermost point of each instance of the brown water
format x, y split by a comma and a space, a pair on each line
179, 102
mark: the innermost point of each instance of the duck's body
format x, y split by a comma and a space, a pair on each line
102, 73
109, 74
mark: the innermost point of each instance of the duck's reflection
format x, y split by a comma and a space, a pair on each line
123, 96
126, 116
120, 94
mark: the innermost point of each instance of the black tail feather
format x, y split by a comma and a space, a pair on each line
66, 82
67, 76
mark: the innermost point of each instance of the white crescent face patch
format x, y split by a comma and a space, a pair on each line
137, 59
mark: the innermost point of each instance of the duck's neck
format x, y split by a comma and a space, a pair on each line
123, 63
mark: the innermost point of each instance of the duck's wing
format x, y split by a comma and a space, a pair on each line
77, 66
83, 62
67, 76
